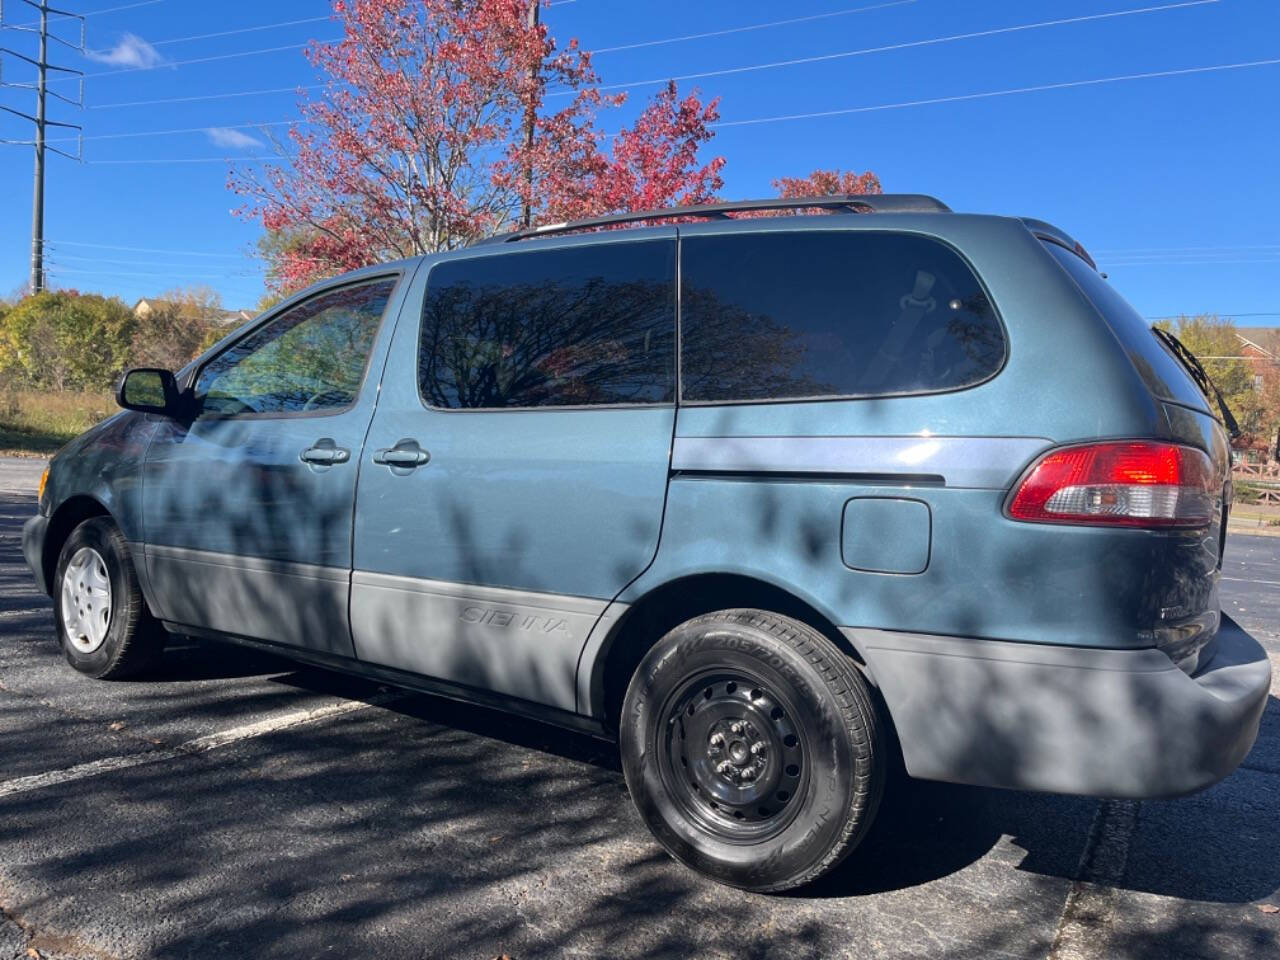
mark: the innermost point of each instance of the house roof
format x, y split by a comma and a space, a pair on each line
1248, 343
215, 314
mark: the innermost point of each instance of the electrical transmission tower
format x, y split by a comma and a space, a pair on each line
42, 91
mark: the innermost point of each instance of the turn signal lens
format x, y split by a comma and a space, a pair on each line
44, 479
1129, 483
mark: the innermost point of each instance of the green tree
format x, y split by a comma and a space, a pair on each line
178, 327
277, 247
1216, 344
65, 341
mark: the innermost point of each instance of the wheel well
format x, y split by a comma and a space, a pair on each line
671, 604
69, 515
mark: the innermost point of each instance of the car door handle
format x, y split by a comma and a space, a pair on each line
325, 453
406, 453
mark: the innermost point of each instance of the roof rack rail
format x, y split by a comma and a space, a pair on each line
851, 202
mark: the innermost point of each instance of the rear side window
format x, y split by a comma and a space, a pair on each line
576, 326
1162, 374
782, 316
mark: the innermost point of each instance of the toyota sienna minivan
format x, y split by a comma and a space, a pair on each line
774, 493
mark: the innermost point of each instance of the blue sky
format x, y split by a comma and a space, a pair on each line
1172, 181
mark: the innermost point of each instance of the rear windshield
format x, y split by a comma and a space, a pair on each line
1160, 371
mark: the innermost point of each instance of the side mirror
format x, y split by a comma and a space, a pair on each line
149, 390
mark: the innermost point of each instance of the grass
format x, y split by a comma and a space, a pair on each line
36, 424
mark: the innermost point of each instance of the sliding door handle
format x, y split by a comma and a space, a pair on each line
406, 453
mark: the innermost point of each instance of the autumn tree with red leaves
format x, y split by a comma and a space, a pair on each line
417, 143
826, 183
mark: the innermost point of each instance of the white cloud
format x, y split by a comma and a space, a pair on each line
131, 51
229, 137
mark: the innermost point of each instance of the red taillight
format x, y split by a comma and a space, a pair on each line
1132, 483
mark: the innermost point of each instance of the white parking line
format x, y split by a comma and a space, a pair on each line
211, 741
23, 612
1269, 583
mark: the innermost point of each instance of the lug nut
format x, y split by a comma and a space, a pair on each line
717, 740
757, 748
749, 773
725, 769
737, 726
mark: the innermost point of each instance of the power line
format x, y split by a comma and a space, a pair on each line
906, 45
92, 13
110, 246
845, 111
754, 26
206, 96
864, 109
1155, 251
239, 30
135, 261
1210, 252
754, 67
1111, 264
166, 162
145, 273
1188, 259
1038, 88
631, 46
1220, 313
245, 53
1262, 255
182, 130
123, 6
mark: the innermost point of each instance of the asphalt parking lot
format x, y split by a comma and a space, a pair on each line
231, 804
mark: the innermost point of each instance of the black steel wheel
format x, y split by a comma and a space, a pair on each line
735, 757
751, 748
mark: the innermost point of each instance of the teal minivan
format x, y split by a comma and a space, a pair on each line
775, 500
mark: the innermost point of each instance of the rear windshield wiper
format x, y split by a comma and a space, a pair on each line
1200, 376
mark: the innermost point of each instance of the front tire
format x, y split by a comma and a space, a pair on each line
103, 622
751, 749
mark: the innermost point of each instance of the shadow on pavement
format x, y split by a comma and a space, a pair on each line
925, 831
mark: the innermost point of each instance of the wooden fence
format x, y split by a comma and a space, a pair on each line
1262, 477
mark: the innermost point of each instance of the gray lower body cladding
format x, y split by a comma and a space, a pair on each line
1118, 723
34, 533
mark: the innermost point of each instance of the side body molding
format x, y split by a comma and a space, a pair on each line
965, 462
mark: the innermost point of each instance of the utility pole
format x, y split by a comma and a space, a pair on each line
37, 202
529, 119
41, 87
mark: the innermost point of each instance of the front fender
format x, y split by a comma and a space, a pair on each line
105, 464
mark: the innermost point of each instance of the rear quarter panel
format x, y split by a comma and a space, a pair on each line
1066, 378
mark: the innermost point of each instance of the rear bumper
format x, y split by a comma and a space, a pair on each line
34, 532
1114, 723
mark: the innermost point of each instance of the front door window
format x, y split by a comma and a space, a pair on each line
309, 359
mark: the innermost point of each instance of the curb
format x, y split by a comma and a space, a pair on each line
1250, 531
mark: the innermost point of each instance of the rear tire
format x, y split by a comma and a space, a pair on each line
103, 622
752, 750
